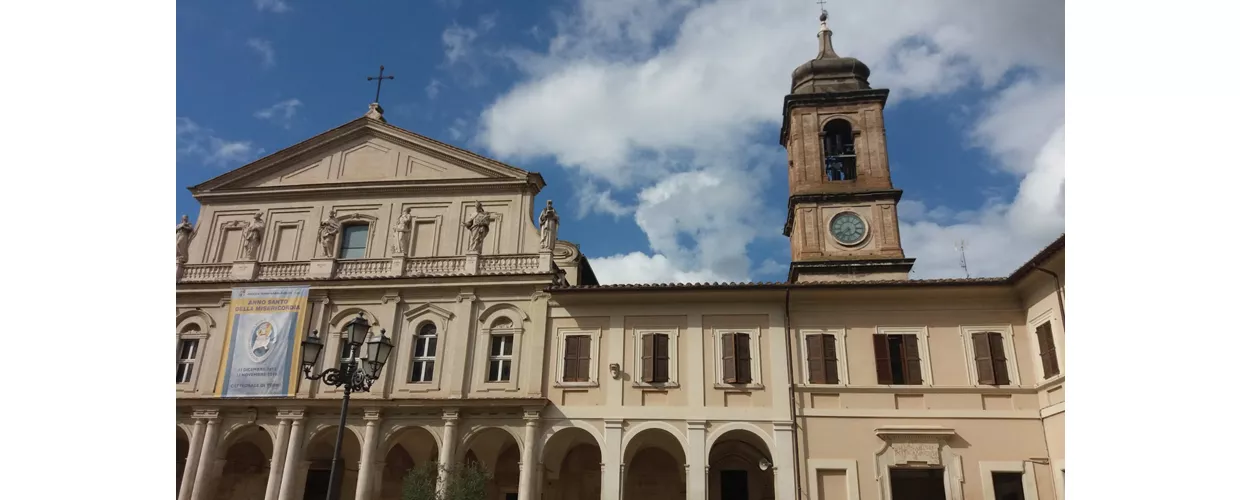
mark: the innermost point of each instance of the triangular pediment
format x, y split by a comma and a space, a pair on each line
366, 151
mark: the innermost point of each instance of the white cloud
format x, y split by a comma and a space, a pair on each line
458, 40
280, 113
665, 98
638, 267
591, 199
264, 50
272, 6
432, 89
458, 129
202, 143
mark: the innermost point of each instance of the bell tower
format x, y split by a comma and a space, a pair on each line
841, 207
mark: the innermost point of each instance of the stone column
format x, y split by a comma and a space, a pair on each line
613, 459
292, 460
695, 460
191, 461
529, 464
206, 460
448, 450
365, 470
785, 465
277, 461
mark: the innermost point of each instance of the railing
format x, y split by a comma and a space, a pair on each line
508, 263
206, 272
435, 266
367, 268
282, 270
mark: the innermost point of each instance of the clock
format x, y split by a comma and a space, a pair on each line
848, 228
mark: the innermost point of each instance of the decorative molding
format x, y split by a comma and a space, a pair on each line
370, 414
1009, 353
923, 348
290, 414
592, 378
918, 446
841, 353
673, 358
755, 358
851, 480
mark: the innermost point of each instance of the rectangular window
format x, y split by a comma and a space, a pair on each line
655, 358
917, 484
423, 369
990, 359
187, 352
824, 365
1046, 345
897, 359
353, 241
576, 358
499, 369
737, 363
1008, 485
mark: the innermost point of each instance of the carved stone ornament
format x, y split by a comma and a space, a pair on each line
185, 231
479, 226
252, 236
329, 230
548, 227
916, 449
400, 234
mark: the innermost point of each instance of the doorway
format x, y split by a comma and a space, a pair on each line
734, 485
917, 484
316, 484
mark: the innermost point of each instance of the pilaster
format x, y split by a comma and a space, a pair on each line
785, 464
533, 345
289, 479
447, 452
278, 453
529, 472
365, 470
613, 459
455, 344
695, 463
206, 459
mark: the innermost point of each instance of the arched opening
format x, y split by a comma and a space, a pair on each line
247, 463
572, 462
498, 452
187, 352
425, 346
319, 455
408, 448
740, 468
182, 455
654, 467
353, 239
838, 151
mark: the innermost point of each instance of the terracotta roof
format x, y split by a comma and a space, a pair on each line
1020, 272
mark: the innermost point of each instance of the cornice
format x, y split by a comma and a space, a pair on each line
792, 101
387, 187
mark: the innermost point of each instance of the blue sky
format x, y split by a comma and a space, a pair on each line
655, 123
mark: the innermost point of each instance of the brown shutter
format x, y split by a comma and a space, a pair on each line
830, 359
647, 358
982, 359
998, 358
729, 358
1046, 344
583, 359
882, 360
815, 354
912, 360
570, 359
660, 357
744, 365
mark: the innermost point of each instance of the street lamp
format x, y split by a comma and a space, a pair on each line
358, 371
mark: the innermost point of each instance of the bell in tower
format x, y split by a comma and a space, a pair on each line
841, 207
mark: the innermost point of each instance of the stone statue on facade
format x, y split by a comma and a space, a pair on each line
329, 229
479, 225
251, 237
185, 231
548, 227
400, 233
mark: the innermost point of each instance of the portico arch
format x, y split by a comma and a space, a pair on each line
499, 451
740, 459
406, 448
247, 454
654, 462
318, 462
182, 454
572, 460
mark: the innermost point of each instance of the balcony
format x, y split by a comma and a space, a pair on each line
396, 267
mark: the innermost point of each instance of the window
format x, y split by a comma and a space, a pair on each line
1008, 485
824, 367
576, 358
897, 358
737, 362
1046, 346
353, 241
656, 358
346, 352
423, 368
499, 369
917, 484
838, 152
187, 353
989, 358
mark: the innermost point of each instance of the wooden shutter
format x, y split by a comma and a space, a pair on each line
882, 360
1046, 344
570, 358
912, 360
815, 355
744, 364
830, 359
729, 358
998, 358
648, 358
660, 357
982, 359
583, 359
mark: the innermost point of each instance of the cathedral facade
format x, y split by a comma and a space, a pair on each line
847, 381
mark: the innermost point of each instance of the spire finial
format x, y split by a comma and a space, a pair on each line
825, 50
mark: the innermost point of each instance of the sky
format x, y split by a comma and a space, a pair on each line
656, 122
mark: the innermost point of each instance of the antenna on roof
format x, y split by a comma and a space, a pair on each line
960, 245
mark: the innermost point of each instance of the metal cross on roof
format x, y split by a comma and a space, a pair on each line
381, 78
822, 4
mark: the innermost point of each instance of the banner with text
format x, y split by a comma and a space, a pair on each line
263, 342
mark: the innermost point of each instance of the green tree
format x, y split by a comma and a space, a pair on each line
464, 481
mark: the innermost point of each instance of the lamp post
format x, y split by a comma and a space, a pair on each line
358, 371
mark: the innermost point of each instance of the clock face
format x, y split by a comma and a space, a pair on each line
848, 228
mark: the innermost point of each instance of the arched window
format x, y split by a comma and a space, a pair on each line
353, 241
499, 365
424, 349
187, 353
838, 151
